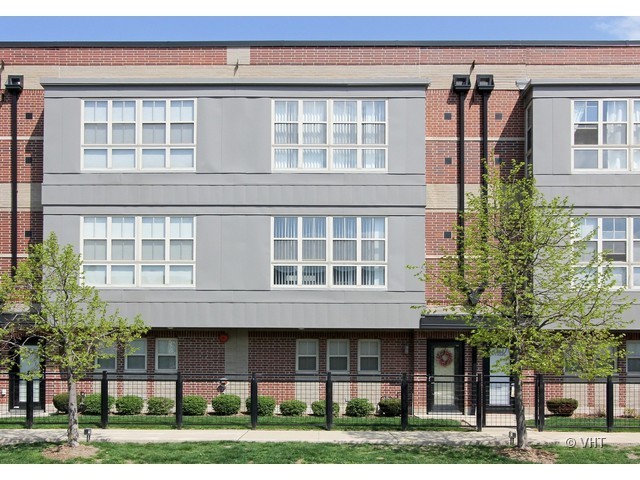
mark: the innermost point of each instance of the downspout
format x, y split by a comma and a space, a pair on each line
484, 85
14, 86
461, 85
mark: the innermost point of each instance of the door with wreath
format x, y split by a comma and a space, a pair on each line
445, 365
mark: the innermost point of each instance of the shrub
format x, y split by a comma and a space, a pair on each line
359, 407
319, 408
61, 402
266, 405
159, 406
93, 403
563, 407
226, 404
390, 407
129, 405
193, 405
293, 408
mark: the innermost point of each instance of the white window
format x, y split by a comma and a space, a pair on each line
106, 359
618, 238
167, 354
307, 356
334, 135
329, 252
129, 251
633, 357
136, 355
606, 135
369, 356
129, 135
338, 356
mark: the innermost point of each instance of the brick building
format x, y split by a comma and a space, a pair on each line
258, 202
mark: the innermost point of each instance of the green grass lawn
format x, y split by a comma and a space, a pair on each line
590, 423
314, 453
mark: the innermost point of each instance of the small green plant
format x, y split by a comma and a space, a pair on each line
93, 404
129, 405
226, 404
629, 413
266, 405
390, 407
193, 405
359, 407
61, 402
319, 408
563, 407
159, 406
293, 408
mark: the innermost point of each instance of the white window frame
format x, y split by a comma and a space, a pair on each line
630, 147
330, 146
108, 351
158, 355
298, 354
329, 263
138, 144
361, 356
136, 353
331, 341
629, 372
138, 263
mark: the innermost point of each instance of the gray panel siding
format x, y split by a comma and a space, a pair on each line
62, 135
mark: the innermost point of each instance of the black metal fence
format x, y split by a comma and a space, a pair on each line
470, 402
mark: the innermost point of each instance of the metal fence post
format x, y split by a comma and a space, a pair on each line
479, 402
104, 400
328, 403
540, 402
404, 403
179, 388
610, 404
29, 404
254, 401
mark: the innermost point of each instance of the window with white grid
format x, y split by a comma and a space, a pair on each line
135, 358
606, 135
127, 251
329, 252
369, 356
307, 355
330, 135
130, 135
166, 354
338, 355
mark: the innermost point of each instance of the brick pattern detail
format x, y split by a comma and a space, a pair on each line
31, 221
106, 56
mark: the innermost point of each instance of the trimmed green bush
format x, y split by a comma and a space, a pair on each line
193, 405
61, 402
129, 405
266, 405
359, 407
563, 407
159, 406
93, 403
226, 404
390, 407
319, 408
293, 408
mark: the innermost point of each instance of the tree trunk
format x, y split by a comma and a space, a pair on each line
72, 433
521, 426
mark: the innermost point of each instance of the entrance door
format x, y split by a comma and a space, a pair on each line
28, 362
499, 384
445, 369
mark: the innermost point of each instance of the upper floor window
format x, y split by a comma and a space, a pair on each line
335, 252
606, 135
330, 135
618, 238
138, 135
128, 251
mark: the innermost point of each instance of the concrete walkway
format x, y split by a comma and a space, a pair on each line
490, 436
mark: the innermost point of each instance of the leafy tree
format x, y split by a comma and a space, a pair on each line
50, 304
525, 278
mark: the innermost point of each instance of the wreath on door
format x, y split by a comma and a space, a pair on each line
444, 357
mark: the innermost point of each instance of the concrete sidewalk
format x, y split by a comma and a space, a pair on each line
492, 436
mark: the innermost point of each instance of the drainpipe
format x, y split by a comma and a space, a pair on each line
461, 85
14, 86
484, 85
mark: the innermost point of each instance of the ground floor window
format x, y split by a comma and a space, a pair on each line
369, 356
